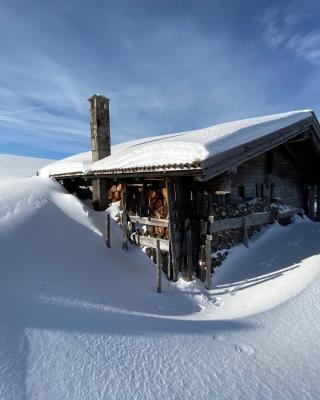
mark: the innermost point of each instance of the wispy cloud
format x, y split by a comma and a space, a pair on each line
288, 28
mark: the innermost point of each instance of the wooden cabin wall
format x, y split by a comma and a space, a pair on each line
244, 182
270, 175
289, 183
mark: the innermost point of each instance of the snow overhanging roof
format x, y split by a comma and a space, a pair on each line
208, 151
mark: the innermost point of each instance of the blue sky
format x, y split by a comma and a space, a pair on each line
166, 66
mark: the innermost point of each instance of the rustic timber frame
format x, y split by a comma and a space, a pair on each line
279, 167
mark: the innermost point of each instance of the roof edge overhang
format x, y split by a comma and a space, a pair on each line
227, 160
161, 172
216, 164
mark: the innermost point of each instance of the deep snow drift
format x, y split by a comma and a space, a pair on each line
21, 166
81, 321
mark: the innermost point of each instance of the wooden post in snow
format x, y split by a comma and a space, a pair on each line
158, 266
208, 262
108, 231
124, 219
245, 232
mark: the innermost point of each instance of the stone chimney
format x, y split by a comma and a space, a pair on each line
100, 145
100, 127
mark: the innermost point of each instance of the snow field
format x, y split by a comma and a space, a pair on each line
80, 321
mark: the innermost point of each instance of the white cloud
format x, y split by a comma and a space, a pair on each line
284, 28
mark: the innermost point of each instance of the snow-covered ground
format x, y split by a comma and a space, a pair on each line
81, 321
21, 166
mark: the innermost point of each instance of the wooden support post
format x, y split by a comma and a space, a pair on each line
108, 231
245, 232
189, 251
318, 203
172, 261
208, 262
158, 266
124, 219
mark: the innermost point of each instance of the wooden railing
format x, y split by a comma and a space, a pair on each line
149, 221
249, 220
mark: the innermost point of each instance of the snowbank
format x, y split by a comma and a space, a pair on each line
21, 166
81, 321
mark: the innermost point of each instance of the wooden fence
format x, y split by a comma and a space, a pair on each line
215, 226
249, 220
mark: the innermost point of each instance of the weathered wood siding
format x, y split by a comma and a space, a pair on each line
280, 179
249, 174
289, 184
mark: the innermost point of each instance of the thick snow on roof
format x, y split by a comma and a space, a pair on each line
74, 164
184, 148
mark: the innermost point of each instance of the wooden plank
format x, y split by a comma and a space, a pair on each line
149, 221
108, 239
224, 224
151, 242
158, 266
259, 218
208, 262
237, 223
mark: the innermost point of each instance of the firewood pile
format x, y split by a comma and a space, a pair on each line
115, 193
158, 208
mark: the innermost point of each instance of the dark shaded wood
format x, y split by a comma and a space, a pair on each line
208, 262
189, 258
172, 261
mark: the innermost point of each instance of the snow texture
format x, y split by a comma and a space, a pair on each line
20, 166
179, 148
81, 321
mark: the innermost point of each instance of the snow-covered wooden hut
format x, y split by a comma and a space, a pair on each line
216, 185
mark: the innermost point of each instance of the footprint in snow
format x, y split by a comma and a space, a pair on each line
244, 348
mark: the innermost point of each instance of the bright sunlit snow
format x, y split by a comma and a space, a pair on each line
20, 166
81, 321
178, 148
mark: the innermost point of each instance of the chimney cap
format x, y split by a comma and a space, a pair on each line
97, 95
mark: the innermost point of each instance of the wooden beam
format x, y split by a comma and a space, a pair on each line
149, 221
172, 261
148, 241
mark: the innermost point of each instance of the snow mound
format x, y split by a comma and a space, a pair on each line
81, 321
20, 166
